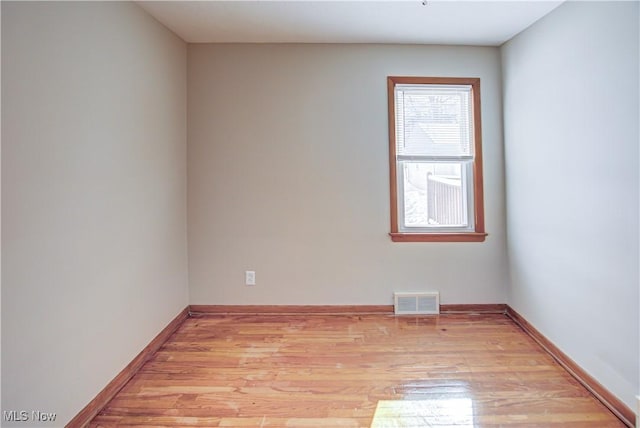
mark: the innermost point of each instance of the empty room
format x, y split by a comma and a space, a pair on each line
251, 213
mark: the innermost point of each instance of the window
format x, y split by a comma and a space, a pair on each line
435, 159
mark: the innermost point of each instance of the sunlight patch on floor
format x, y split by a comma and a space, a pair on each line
456, 412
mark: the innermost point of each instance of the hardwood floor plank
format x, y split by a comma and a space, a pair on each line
454, 370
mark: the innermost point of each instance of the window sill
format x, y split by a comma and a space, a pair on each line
438, 237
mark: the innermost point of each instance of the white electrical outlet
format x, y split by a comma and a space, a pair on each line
250, 277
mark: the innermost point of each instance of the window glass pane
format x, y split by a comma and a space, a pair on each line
434, 194
433, 121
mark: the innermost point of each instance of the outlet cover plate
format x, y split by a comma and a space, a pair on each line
250, 277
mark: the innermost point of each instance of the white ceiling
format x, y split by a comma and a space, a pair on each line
487, 23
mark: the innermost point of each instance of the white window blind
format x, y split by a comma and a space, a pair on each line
433, 122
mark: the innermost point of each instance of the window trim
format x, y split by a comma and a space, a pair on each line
478, 235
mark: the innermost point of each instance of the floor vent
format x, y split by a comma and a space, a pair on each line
416, 303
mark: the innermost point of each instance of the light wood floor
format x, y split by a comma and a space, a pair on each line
353, 371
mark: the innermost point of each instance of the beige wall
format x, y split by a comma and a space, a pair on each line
93, 196
571, 137
288, 176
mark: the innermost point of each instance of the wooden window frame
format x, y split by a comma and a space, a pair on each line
478, 234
